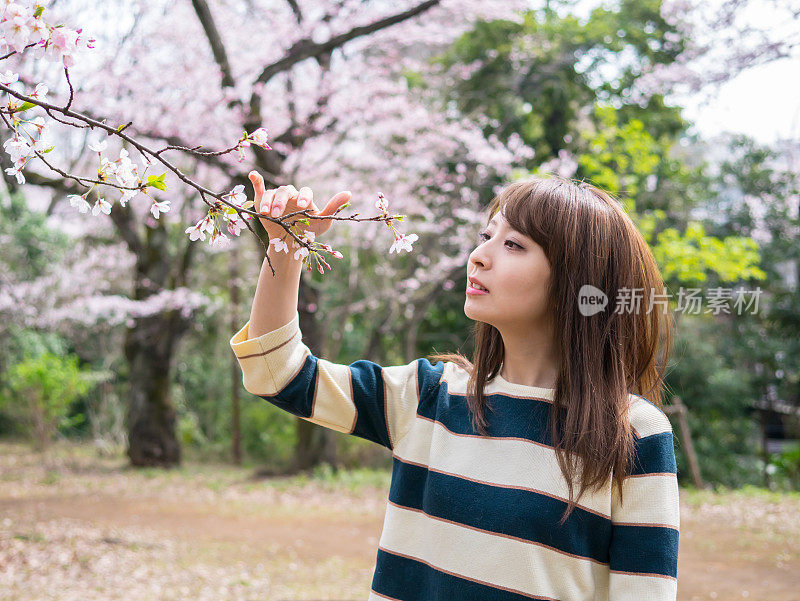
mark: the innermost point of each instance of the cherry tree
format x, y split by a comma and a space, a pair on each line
328, 77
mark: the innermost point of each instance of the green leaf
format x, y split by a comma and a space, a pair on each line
25, 106
157, 182
38, 12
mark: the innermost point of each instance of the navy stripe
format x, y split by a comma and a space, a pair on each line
523, 514
508, 417
411, 580
655, 454
429, 378
369, 400
645, 550
297, 396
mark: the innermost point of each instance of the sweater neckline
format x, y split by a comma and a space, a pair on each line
522, 389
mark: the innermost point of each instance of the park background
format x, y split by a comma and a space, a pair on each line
112, 319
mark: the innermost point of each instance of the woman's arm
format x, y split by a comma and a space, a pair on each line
275, 301
364, 399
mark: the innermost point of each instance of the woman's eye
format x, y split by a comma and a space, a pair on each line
483, 236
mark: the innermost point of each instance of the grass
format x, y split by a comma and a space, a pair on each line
723, 495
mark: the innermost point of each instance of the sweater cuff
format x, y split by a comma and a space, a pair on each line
244, 346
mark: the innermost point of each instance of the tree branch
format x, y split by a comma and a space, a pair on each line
215, 41
307, 48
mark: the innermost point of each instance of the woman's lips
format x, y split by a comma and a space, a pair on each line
472, 290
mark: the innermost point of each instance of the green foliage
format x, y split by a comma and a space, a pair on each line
690, 256
268, 433
786, 464
28, 245
535, 78
718, 396
42, 388
352, 479
619, 156
756, 191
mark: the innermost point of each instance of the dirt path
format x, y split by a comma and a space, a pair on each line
91, 530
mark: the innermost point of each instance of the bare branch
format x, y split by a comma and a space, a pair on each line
307, 48
215, 41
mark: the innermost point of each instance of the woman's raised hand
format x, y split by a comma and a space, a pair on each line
276, 202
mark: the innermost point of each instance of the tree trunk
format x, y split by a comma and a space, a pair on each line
149, 347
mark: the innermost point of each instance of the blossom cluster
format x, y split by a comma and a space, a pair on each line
22, 24
401, 241
22, 28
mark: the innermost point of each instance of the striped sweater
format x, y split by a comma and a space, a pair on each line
471, 517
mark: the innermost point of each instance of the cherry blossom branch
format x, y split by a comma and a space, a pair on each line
23, 23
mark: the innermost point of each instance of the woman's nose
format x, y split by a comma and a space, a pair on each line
478, 259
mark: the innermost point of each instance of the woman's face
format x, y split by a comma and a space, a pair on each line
516, 272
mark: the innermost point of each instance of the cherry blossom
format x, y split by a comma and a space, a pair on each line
40, 91
279, 244
403, 242
102, 205
161, 207
219, 240
199, 229
259, 137
235, 225
8, 77
237, 195
78, 201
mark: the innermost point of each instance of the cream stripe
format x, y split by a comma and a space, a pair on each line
401, 398
333, 397
647, 419
649, 500
334, 404
536, 569
504, 462
630, 586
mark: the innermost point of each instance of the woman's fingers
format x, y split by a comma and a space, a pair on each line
281, 199
273, 202
266, 202
305, 198
335, 202
258, 186
279, 202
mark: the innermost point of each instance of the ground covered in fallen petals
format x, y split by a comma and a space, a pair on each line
77, 526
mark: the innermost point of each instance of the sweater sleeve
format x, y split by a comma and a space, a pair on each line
645, 524
364, 399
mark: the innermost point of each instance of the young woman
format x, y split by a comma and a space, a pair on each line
563, 392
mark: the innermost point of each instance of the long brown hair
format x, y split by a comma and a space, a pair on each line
588, 239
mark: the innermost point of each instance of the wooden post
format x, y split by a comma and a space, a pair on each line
678, 408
